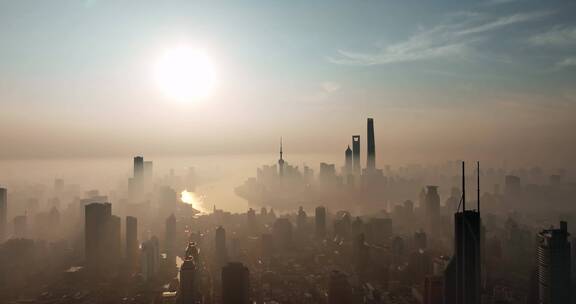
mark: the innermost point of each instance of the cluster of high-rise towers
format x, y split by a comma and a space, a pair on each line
460, 280
352, 156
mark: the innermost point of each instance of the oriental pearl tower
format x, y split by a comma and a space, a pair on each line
281, 161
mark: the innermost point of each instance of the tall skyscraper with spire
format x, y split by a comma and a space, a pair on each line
462, 275
3, 213
371, 157
281, 161
356, 154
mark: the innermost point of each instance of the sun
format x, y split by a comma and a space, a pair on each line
185, 73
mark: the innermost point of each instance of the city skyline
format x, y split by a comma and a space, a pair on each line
457, 71
293, 152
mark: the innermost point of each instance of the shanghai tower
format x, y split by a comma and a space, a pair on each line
371, 159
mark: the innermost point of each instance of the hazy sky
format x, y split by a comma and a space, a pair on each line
492, 79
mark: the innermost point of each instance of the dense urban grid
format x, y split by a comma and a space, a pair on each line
357, 234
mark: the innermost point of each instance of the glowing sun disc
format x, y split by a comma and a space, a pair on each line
185, 73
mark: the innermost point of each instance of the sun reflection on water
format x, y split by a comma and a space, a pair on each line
193, 199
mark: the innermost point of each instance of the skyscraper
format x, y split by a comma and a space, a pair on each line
96, 238
348, 161
150, 258
371, 157
114, 241
189, 277
235, 284
281, 161
221, 251
462, 275
553, 266
136, 183
356, 154
3, 213
131, 242
432, 208
170, 240
138, 167
320, 222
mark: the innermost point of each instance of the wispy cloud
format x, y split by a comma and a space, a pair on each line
499, 2
558, 37
447, 40
504, 22
567, 62
326, 89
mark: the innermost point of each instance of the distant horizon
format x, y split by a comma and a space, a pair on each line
484, 79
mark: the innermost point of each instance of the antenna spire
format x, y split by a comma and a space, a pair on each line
478, 184
280, 147
463, 188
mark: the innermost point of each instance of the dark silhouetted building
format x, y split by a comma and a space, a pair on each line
97, 219
114, 241
235, 284
189, 277
221, 250
348, 161
281, 161
3, 214
170, 240
131, 242
150, 258
371, 157
136, 183
138, 167
339, 288
356, 154
553, 266
462, 275
432, 208
320, 222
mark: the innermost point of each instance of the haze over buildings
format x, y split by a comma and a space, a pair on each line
325, 152
502, 71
